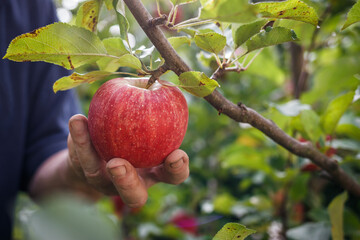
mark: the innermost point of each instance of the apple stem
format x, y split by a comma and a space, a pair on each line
151, 81
155, 74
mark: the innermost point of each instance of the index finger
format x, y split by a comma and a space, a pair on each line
93, 167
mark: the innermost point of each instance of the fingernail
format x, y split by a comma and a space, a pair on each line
177, 164
119, 171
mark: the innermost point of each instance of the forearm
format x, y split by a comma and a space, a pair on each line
55, 175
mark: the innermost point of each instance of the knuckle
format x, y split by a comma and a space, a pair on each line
82, 142
126, 186
93, 177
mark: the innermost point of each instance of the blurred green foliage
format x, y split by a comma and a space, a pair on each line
237, 173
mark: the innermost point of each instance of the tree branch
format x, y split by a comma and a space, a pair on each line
241, 113
158, 21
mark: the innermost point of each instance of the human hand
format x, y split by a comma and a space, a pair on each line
118, 176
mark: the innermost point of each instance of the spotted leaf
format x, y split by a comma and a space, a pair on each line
233, 231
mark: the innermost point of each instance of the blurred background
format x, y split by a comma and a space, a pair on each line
237, 173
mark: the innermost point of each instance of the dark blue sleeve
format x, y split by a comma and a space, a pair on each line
33, 119
49, 114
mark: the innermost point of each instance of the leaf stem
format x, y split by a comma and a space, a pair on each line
126, 73
174, 15
246, 56
170, 15
218, 60
182, 25
158, 8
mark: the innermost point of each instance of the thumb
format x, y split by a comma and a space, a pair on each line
127, 182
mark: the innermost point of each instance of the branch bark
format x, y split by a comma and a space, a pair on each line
240, 112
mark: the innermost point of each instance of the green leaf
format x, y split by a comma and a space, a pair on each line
76, 79
304, 31
311, 123
109, 4
336, 212
299, 187
178, 41
353, 15
88, 15
318, 230
239, 11
197, 83
180, 2
59, 43
189, 31
291, 9
111, 64
296, 124
346, 144
271, 70
292, 108
223, 203
119, 7
276, 35
244, 157
244, 32
335, 110
116, 47
329, 79
233, 231
69, 217
207, 59
349, 130
210, 41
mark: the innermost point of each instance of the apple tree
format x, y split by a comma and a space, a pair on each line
272, 87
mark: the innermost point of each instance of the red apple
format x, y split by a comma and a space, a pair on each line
140, 125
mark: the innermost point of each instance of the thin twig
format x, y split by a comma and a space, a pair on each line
158, 8
170, 15
219, 73
197, 23
304, 74
174, 15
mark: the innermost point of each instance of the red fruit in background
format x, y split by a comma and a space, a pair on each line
329, 138
278, 199
140, 125
119, 205
186, 222
298, 212
330, 152
121, 208
303, 140
310, 167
